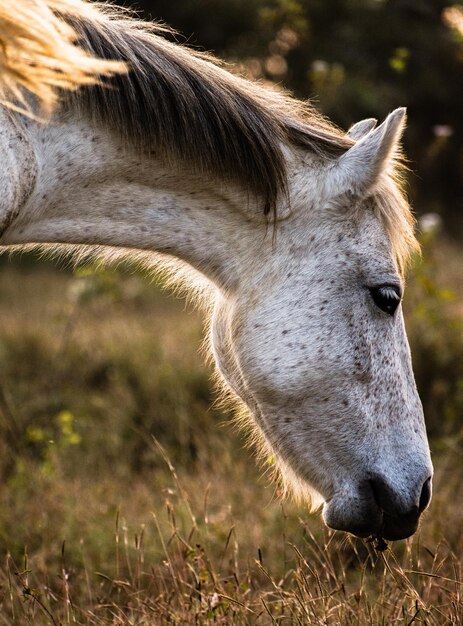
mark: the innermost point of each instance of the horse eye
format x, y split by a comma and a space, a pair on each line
386, 297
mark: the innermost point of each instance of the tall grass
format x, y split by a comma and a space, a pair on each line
101, 524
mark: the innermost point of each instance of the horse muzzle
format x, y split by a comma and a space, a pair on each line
376, 509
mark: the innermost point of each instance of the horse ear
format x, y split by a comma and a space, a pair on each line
359, 130
357, 171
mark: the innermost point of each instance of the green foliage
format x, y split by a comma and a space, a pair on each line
399, 60
48, 445
95, 281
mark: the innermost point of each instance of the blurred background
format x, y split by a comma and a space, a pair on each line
94, 362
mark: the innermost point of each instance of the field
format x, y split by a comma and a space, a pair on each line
127, 497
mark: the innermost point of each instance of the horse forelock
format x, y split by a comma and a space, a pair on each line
394, 210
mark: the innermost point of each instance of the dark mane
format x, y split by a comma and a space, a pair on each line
183, 105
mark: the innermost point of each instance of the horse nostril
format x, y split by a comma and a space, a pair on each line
388, 501
425, 496
400, 507
382, 494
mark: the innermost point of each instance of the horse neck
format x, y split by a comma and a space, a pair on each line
92, 190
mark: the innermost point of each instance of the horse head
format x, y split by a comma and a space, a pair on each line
312, 339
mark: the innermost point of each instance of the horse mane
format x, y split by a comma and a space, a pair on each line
38, 55
183, 105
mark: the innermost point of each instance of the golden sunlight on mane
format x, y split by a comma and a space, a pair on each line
395, 211
38, 55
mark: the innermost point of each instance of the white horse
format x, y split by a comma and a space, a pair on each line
301, 231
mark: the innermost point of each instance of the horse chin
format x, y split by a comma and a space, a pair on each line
353, 516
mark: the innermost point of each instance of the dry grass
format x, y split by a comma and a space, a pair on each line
186, 562
101, 525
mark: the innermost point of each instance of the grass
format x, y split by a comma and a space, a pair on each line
101, 524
